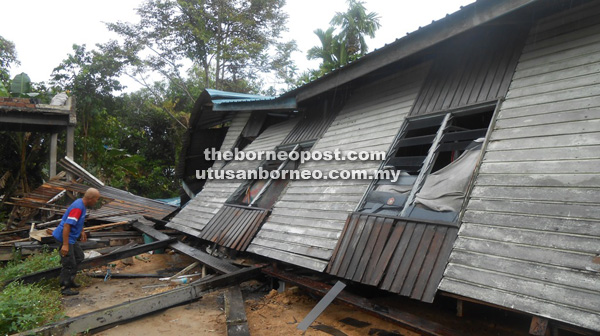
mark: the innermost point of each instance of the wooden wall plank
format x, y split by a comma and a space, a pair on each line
357, 127
216, 192
530, 232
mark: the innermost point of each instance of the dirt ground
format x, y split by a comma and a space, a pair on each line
269, 313
280, 313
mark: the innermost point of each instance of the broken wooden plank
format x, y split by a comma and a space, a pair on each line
136, 308
321, 306
45, 236
235, 313
404, 319
217, 264
95, 262
124, 275
185, 270
104, 226
6, 243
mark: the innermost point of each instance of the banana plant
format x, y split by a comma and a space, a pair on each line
3, 91
20, 85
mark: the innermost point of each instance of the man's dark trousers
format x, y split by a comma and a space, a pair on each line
69, 264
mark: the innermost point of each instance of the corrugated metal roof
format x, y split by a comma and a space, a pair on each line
218, 95
233, 101
120, 205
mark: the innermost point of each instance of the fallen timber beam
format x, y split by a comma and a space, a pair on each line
24, 249
404, 319
95, 262
235, 313
217, 264
140, 307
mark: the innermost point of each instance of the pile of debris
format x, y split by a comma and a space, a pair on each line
48, 202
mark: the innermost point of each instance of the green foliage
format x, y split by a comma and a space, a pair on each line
151, 134
329, 52
34, 263
20, 85
349, 44
227, 40
24, 307
3, 91
27, 306
91, 76
355, 24
8, 57
283, 65
24, 157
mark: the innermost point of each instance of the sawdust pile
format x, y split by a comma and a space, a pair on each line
280, 313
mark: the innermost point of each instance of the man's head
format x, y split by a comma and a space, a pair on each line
90, 197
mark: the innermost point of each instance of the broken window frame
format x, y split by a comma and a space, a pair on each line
237, 197
270, 181
301, 138
429, 161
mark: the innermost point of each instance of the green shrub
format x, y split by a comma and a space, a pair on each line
24, 307
34, 263
27, 306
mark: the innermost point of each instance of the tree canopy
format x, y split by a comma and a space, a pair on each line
175, 50
349, 43
8, 57
223, 43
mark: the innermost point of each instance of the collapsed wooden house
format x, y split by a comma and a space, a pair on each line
492, 117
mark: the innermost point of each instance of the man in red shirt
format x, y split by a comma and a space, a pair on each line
67, 233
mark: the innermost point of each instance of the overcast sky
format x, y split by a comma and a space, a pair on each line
44, 31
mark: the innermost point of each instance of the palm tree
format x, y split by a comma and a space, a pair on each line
355, 24
328, 52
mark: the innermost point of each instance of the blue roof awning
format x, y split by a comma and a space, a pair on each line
233, 101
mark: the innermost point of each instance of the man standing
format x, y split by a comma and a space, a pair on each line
67, 233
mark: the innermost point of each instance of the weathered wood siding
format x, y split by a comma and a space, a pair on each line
397, 255
234, 226
306, 222
530, 237
200, 210
312, 125
472, 68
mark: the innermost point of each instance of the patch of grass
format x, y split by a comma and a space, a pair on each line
24, 307
34, 263
27, 306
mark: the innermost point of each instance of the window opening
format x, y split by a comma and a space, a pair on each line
270, 181
436, 156
264, 193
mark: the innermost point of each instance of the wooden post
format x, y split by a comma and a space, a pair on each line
70, 147
459, 308
53, 153
70, 141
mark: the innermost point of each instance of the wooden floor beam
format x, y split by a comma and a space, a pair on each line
219, 265
235, 313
